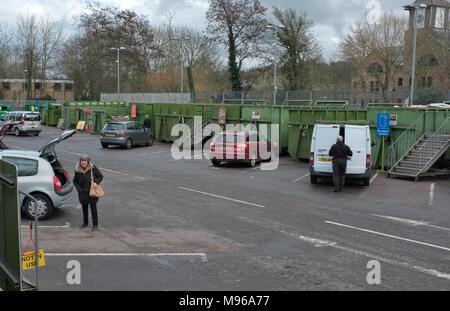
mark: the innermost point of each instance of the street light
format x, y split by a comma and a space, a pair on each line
414, 8
275, 58
181, 39
118, 70
24, 83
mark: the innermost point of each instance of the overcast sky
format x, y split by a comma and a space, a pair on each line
332, 18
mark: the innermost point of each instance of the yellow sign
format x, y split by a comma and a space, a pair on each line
325, 160
81, 125
29, 260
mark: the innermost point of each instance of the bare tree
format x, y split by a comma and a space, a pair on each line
384, 41
27, 40
50, 34
237, 24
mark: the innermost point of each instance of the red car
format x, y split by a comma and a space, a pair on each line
249, 147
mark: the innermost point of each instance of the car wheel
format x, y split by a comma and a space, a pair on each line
313, 179
16, 131
366, 182
215, 162
44, 208
105, 145
150, 141
129, 144
36, 134
252, 161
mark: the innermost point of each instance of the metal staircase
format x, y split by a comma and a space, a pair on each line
423, 154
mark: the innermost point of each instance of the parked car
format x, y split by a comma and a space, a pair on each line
248, 147
4, 129
41, 175
29, 122
356, 137
126, 134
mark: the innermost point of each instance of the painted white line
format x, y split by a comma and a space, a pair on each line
373, 178
74, 153
389, 236
412, 222
222, 197
120, 173
325, 243
67, 225
430, 200
139, 177
300, 178
203, 256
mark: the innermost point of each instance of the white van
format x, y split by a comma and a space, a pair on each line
30, 122
356, 137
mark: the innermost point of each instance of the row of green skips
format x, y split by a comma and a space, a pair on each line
295, 123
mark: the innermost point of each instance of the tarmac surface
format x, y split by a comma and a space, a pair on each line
170, 224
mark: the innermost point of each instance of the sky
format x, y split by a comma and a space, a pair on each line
332, 18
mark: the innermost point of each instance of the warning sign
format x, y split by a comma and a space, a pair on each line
81, 125
256, 115
29, 260
222, 116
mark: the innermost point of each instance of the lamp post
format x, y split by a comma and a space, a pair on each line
415, 9
24, 83
118, 69
181, 39
275, 59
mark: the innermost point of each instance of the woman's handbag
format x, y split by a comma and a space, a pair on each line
95, 192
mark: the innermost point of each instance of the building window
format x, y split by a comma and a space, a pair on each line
37, 86
375, 68
57, 86
438, 17
372, 85
423, 80
6, 86
428, 61
429, 82
377, 86
68, 86
363, 85
24, 86
400, 82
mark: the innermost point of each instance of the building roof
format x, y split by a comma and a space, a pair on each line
444, 3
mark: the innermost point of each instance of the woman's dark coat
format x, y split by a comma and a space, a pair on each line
82, 182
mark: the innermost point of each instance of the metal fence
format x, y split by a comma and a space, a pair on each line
354, 98
17, 105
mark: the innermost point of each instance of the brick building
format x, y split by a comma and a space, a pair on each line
432, 54
17, 89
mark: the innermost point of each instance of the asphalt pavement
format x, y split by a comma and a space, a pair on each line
169, 224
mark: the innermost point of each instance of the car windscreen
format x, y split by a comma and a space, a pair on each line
230, 138
32, 117
114, 127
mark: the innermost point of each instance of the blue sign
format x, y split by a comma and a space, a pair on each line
383, 124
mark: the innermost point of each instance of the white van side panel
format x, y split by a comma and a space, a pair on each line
356, 137
324, 137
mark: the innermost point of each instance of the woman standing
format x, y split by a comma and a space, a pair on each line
82, 181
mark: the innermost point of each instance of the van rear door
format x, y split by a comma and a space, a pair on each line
323, 138
356, 138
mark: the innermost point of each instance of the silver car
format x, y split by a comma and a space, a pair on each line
41, 175
29, 122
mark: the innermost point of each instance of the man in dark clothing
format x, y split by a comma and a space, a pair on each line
339, 152
147, 122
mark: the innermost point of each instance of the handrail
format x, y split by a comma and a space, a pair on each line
405, 141
437, 146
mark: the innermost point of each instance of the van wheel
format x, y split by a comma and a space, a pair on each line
313, 179
44, 209
215, 163
252, 161
16, 131
366, 182
105, 145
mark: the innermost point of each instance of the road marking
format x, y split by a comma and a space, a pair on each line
203, 256
139, 177
373, 178
390, 236
222, 197
67, 225
412, 222
74, 153
300, 178
325, 243
430, 200
107, 169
